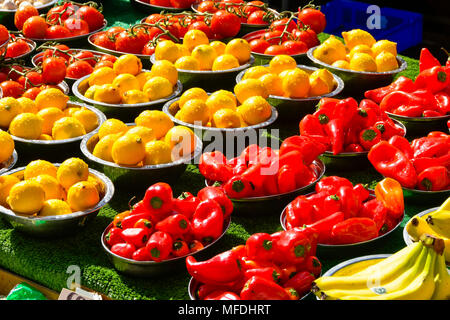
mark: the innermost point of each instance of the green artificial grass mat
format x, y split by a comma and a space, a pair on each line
46, 260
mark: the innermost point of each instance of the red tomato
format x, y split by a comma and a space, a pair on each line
76, 26
275, 50
32, 93
57, 53
16, 48
3, 76
53, 70
114, 31
130, 42
281, 24
313, 18
108, 57
252, 6
11, 89
161, 3
92, 16
153, 32
148, 49
35, 27
103, 64
79, 69
4, 34
182, 4
308, 36
273, 37
257, 17
225, 24
294, 47
22, 14
57, 31
60, 13
11, 72
31, 79
207, 6
153, 18
201, 25
103, 40
259, 45
87, 56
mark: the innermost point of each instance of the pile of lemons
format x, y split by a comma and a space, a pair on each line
197, 53
127, 83
283, 78
152, 140
48, 117
7, 147
359, 52
43, 189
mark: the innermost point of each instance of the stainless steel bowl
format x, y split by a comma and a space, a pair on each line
137, 177
9, 164
421, 126
124, 112
422, 196
155, 9
209, 80
53, 226
292, 110
154, 269
357, 82
7, 16
62, 85
54, 150
31, 45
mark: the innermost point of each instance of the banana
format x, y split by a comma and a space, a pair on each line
439, 220
441, 280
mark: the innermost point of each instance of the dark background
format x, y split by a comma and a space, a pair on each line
436, 21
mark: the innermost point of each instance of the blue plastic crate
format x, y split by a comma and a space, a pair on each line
400, 26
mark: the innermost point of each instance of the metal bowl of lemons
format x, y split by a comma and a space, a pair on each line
8, 155
57, 150
138, 175
292, 110
58, 221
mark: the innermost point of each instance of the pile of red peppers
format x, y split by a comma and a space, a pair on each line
346, 126
264, 171
427, 96
422, 164
278, 266
161, 227
343, 214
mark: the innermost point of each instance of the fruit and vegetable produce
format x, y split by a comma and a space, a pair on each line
358, 52
264, 171
43, 189
416, 272
343, 125
179, 4
17, 45
422, 164
7, 147
343, 213
160, 227
435, 223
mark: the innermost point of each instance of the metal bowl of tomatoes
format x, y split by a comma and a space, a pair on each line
7, 16
421, 126
357, 82
63, 86
292, 110
151, 268
58, 225
18, 48
156, 8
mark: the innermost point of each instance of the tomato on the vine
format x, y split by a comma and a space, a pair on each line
252, 6
114, 31
148, 49
103, 40
53, 70
58, 14
35, 27
84, 55
181, 4
32, 93
308, 36
161, 3
273, 37
3, 76
22, 14
201, 25
259, 45
79, 69
129, 42
257, 17
292, 47
57, 31
108, 57
225, 24
58, 51
16, 48
11, 88
313, 18
76, 26
154, 18
275, 50
92, 16
281, 24
4, 34
30, 79
207, 6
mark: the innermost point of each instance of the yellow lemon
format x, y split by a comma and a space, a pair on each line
145, 133
66, 128
6, 183
49, 117
127, 63
343, 64
103, 148
100, 76
54, 207
384, 45
37, 167
27, 105
187, 63
143, 77
71, 171
134, 96
125, 82
318, 86
219, 46
167, 50
7, 146
26, 197
325, 76
82, 195
363, 62
26, 126
220, 101
52, 188
363, 48
194, 111
192, 93
156, 120
226, 118
181, 141
88, 119
9, 108
249, 88
240, 49
98, 184
225, 62
90, 92
296, 84
386, 61
111, 126
281, 62
183, 50
357, 36
45, 137
165, 69
194, 38
273, 83
128, 150
157, 152
330, 50
205, 56
51, 97
255, 72
157, 88
107, 93
255, 110
226, 92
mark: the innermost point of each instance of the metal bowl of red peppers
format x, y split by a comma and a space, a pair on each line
420, 166
349, 219
348, 130
278, 266
259, 180
156, 235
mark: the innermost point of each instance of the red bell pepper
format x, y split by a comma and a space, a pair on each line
430, 147
159, 246
114, 236
313, 265
269, 273
401, 84
443, 99
344, 110
141, 254
354, 230
293, 294
310, 125
206, 289
258, 288
219, 195
118, 218
366, 105
158, 200
195, 246
361, 192
145, 224
207, 221
330, 205
335, 130
175, 225
130, 221
250, 154
396, 99
420, 164
427, 60
434, 179
286, 179
327, 104
259, 246
136, 236
426, 98
301, 282
390, 193
186, 203
369, 137
138, 207
223, 268
388, 129
308, 148
434, 79
350, 201
403, 145
431, 114
214, 166
180, 248
124, 250
238, 187
391, 162
222, 295
331, 184
375, 210
325, 225
292, 246
353, 147
412, 111
299, 212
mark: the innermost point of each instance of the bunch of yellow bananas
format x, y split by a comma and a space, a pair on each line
417, 272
